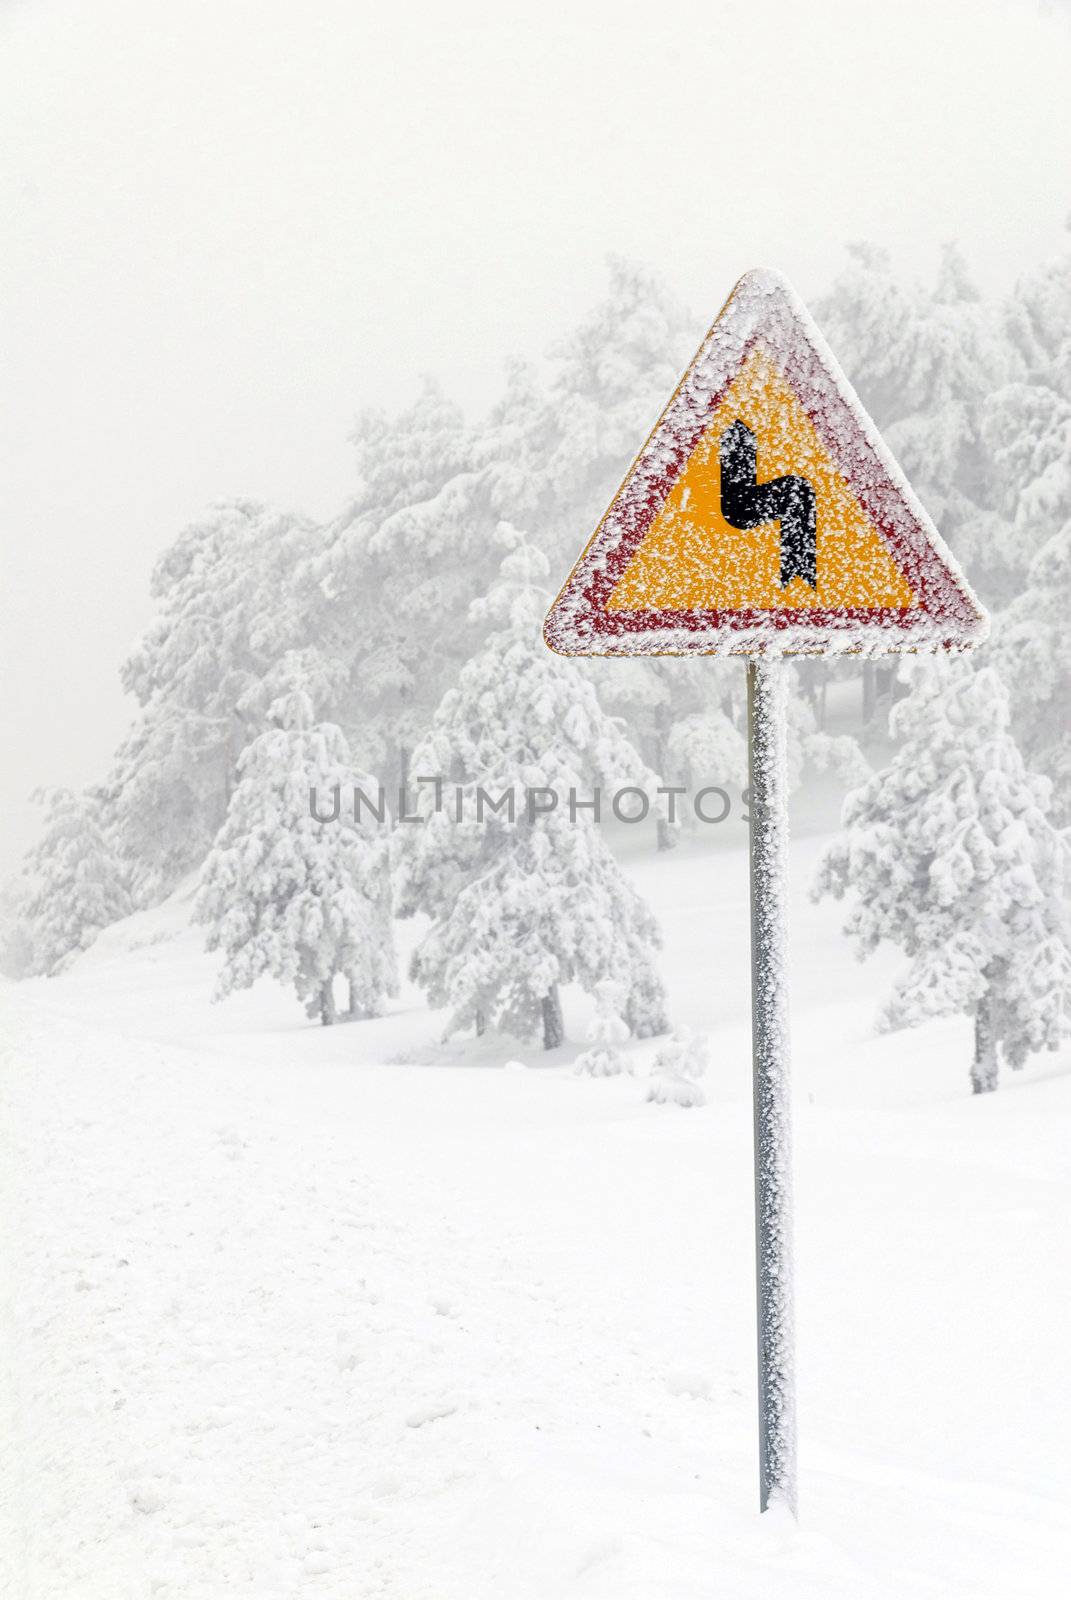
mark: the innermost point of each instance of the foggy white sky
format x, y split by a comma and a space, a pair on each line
231, 224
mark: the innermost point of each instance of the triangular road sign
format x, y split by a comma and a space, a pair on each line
764, 516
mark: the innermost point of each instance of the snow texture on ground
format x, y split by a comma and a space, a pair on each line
291, 1311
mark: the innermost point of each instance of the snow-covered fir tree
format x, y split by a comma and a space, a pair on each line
386, 572
677, 1068
975, 402
229, 608
809, 748
398, 568
686, 723
927, 365
961, 356
283, 893
522, 905
611, 376
76, 883
16, 946
1033, 651
958, 356
1038, 319
1025, 431
608, 1030
950, 853
872, 322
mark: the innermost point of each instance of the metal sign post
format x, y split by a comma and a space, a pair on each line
768, 803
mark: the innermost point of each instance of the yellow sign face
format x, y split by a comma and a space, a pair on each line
764, 516
692, 559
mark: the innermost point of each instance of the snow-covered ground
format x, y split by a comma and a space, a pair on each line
344, 1312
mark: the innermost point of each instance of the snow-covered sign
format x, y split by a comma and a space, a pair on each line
764, 516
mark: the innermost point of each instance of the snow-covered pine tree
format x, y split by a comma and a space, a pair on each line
16, 946
1025, 431
873, 323
926, 365
682, 721
809, 748
608, 1030
284, 894
386, 572
957, 356
961, 360
229, 607
1033, 652
949, 853
76, 883
522, 905
678, 1066
1038, 318
610, 377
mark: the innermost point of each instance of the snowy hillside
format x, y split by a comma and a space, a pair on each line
345, 1312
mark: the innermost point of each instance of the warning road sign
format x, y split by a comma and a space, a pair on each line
764, 516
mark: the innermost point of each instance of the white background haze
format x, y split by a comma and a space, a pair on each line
230, 226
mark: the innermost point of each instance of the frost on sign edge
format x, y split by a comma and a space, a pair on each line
764, 315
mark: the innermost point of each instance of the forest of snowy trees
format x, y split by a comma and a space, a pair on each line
401, 639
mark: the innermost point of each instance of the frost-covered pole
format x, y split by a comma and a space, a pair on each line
766, 693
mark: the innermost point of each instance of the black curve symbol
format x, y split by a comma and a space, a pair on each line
745, 504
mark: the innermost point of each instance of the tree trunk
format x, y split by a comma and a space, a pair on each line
809, 687
228, 764
327, 1004
481, 1024
666, 835
353, 1009
553, 1023
665, 832
886, 677
984, 1068
870, 690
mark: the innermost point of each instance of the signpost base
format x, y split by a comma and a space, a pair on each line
766, 698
